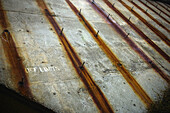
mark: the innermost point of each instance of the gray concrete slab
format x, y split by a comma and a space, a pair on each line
53, 79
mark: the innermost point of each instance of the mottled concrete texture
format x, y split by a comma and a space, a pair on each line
52, 78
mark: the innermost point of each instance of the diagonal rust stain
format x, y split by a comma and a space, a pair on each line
115, 61
158, 8
151, 27
163, 6
97, 95
130, 42
17, 68
134, 27
3, 19
145, 4
151, 17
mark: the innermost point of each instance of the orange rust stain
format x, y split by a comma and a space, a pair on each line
151, 17
158, 8
116, 27
17, 68
155, 30
3, 20
97, 95
154, 11
132, 82
134, 27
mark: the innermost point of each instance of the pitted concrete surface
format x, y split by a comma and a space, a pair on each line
52, 77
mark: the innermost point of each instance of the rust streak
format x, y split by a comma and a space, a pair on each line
158, 8
17, 68
151, 17
154, 11
97, 95
115, 61
155, 30
3, 20
131, 43
163, 6
134, 27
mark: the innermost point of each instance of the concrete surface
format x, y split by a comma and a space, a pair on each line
53, 81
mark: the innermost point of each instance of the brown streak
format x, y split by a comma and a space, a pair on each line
154, 11
158, 8
131, 43
163, 6
18, 71
115, 61
151, 27
134, 27
3, 20
17, 67
151, 17
97, 95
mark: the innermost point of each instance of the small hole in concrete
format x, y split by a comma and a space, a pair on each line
134, 104
124, 83
21, 83
119, 64
3, 68
54, 93
27, 30
80, 31
68, 92
43, 62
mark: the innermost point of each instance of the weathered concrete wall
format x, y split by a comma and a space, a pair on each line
125, 70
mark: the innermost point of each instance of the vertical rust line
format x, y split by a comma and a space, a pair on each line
163, 6
3, 19
115, 61
16, 63
130, 42
97, 95
135, 28
17, 68
151, 17
158, 8
154, 11
155, 30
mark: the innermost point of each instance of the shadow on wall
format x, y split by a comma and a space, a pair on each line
11, 102
162, 106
